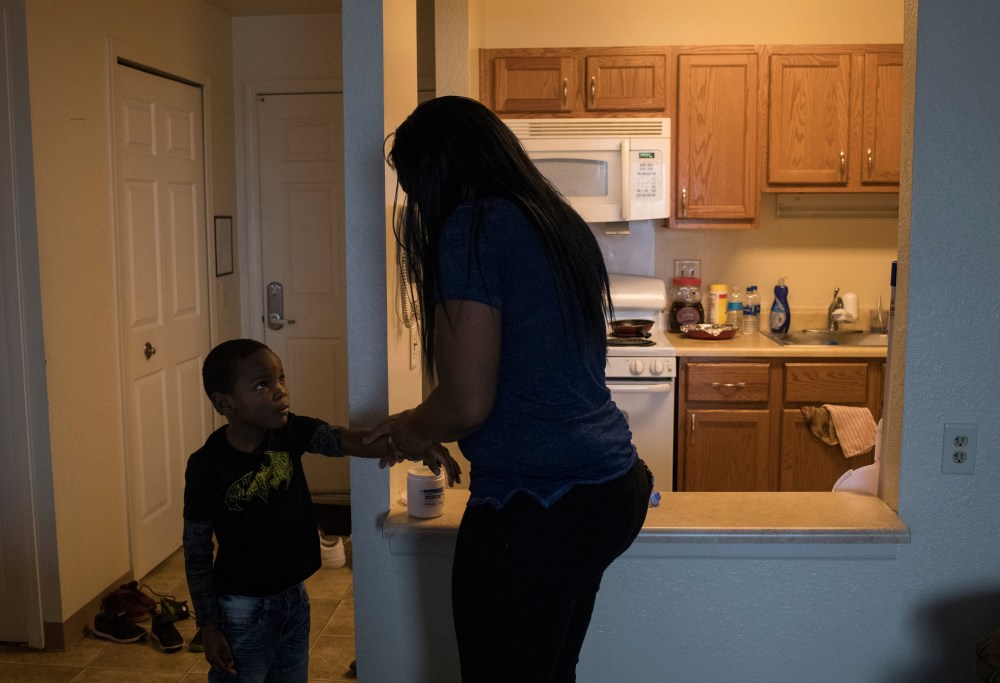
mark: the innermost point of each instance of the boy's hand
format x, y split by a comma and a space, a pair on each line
217, 650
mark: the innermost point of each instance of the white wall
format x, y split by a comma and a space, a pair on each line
914, 618
68, 53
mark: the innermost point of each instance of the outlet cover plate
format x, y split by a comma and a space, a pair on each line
958, 450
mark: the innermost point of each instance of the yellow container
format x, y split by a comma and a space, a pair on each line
718, 295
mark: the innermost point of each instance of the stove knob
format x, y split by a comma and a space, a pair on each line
657, 367
636, 367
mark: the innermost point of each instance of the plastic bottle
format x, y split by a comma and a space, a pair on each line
781, 316
751, 311
717, 294
734, 308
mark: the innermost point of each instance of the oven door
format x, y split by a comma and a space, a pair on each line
649, 409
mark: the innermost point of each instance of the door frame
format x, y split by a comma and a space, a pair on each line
248, 192
168, 67
25, 447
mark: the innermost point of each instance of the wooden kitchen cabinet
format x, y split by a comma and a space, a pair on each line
882, 114
740, 427
834, 118
715, 138
576, 82
724, 430
807, 463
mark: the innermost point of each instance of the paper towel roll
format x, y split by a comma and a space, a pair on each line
850, 300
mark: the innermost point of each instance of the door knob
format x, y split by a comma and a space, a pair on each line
148, 350
276, 306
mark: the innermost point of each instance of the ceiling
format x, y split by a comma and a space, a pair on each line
251, 8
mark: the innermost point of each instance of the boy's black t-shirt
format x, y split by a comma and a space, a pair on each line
260, 509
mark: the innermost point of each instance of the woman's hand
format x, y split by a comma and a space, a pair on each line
405, 443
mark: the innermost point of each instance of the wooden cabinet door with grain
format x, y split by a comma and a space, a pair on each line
881, 122
809, 119
716, 137
727, 450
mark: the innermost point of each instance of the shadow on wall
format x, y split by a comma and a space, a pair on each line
950, 630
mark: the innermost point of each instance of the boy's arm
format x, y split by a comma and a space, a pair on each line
198, 551
340, 441
198, 567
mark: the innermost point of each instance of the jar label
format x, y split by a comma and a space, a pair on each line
688, 315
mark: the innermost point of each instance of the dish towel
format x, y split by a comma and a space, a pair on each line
855, 428
818, 419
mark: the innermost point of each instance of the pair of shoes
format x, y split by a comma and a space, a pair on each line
129, 599
165, 633
331, 550
169, 605
196, 645
117, 628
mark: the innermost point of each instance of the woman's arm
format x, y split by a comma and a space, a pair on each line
467, 358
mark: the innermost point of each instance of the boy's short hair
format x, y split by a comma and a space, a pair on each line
218, 373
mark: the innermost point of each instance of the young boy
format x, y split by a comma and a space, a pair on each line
246, 486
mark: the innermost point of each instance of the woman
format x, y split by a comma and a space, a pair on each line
513, 299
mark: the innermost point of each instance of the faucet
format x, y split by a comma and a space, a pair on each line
831, 324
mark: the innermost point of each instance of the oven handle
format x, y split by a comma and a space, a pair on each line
647, 388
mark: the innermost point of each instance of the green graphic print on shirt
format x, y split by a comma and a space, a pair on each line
271, 475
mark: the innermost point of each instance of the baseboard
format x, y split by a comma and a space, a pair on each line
60, 636
332, 498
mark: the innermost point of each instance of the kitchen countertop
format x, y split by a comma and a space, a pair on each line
748, 518
760, 346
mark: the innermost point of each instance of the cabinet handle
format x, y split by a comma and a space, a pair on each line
565, 90
869, 162
843, 163
684, 202
729, 385
593, 90
692, 428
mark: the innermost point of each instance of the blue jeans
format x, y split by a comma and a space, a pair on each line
269, 637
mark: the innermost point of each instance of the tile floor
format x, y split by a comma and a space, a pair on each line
94, 660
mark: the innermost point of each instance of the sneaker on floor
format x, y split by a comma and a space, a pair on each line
119, 601
331, 550
132, 590
196, 645
165, 633
117, 628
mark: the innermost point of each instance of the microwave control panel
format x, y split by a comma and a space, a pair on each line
648, 183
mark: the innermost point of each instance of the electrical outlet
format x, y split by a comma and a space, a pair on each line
687, 268
958, 452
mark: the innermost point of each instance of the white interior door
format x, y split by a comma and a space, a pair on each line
162, 246
300, 145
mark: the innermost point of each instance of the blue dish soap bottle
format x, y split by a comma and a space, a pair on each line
781, 315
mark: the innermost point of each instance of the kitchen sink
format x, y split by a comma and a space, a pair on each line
827, 338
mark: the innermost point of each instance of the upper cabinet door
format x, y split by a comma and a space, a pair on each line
881, 118
716, 138
809, 119
533, 84
626, 83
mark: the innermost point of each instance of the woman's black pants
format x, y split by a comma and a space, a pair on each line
525, 577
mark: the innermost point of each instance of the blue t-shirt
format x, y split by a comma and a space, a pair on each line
553, 422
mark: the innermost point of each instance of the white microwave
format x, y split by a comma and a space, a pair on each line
609, 169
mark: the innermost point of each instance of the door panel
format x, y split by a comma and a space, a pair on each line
302, 226
165, 315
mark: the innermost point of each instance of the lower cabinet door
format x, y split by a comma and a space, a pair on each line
808, 464
726, 450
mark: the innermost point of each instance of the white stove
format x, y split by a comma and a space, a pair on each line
640, 374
